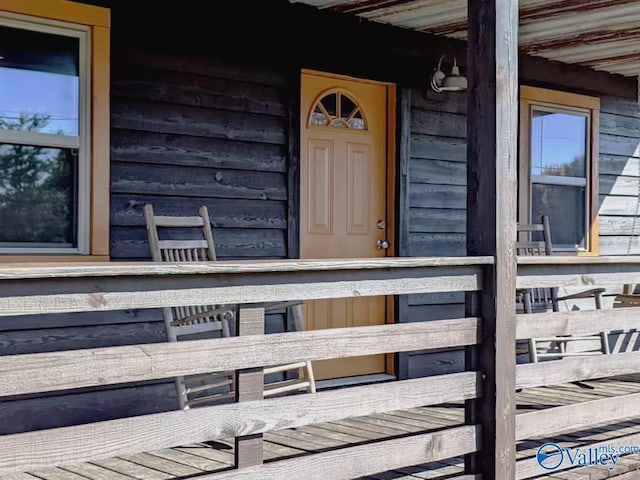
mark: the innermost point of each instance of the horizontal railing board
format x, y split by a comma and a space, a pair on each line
65, 295
69, 445
531, 468
361, 460
551, 421
56, 270
576, 369
29, 373
575, 323
559, 271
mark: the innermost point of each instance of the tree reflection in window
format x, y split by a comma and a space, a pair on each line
37, 189
338, 110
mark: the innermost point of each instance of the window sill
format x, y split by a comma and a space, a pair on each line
7, 258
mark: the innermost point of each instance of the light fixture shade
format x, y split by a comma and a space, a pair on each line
451, 83
455, 82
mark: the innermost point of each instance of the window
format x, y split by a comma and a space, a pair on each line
337, 110
53, 125
558, 166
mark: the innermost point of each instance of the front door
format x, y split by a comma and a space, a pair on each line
343, 195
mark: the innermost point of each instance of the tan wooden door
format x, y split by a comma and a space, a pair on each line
343, 198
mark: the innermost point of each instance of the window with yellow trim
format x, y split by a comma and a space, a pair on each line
53, 192
558, 166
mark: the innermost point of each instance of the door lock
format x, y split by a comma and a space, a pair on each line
382, 244
381, 224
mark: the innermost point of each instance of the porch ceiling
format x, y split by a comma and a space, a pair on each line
601, 34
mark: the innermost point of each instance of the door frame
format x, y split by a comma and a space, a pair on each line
293, 177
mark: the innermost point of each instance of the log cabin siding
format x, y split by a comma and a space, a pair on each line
186, 131
192, 129
619, 187
437, 199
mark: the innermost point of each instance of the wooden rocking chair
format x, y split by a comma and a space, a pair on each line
188, 321
541, 299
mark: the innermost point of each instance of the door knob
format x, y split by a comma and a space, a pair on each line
382, 244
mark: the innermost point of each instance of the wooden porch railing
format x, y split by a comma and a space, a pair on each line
565, 272
26, 290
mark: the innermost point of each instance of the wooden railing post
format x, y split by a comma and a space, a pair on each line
492, 72
249, 385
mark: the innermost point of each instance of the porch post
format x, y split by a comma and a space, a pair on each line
492, 72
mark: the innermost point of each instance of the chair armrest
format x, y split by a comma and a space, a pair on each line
584, 294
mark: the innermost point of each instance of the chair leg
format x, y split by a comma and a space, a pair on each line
533, 350
527, 302
181, 391
604, 339
310, 377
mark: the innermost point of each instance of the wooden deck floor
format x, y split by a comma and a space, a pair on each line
192, 460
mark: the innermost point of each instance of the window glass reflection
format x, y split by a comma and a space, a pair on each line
565, 206
38, 203
558, 144
39, 77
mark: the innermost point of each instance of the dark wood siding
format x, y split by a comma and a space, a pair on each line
193, 132
437, 188
619, 177
437, 210
195, 123
186, 131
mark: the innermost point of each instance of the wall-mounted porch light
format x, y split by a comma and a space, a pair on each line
452, 83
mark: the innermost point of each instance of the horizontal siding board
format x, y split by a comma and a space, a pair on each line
79, 337
437, 196
436, 298
438, 148
82, 319
162, 118
438, 123
434, 220
424, 313
620, 245
437, 244
437, 172
134, 178
164, 86
622, 206
191, 151
620, 106
619, 226
619, 165
131, 242
134, 56
127, 210
25, 415
619, 185
452, 102
618, 125
616, 145
436, 363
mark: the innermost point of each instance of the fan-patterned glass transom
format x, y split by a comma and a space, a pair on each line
338, 110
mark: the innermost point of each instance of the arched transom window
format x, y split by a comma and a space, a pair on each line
338, 110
